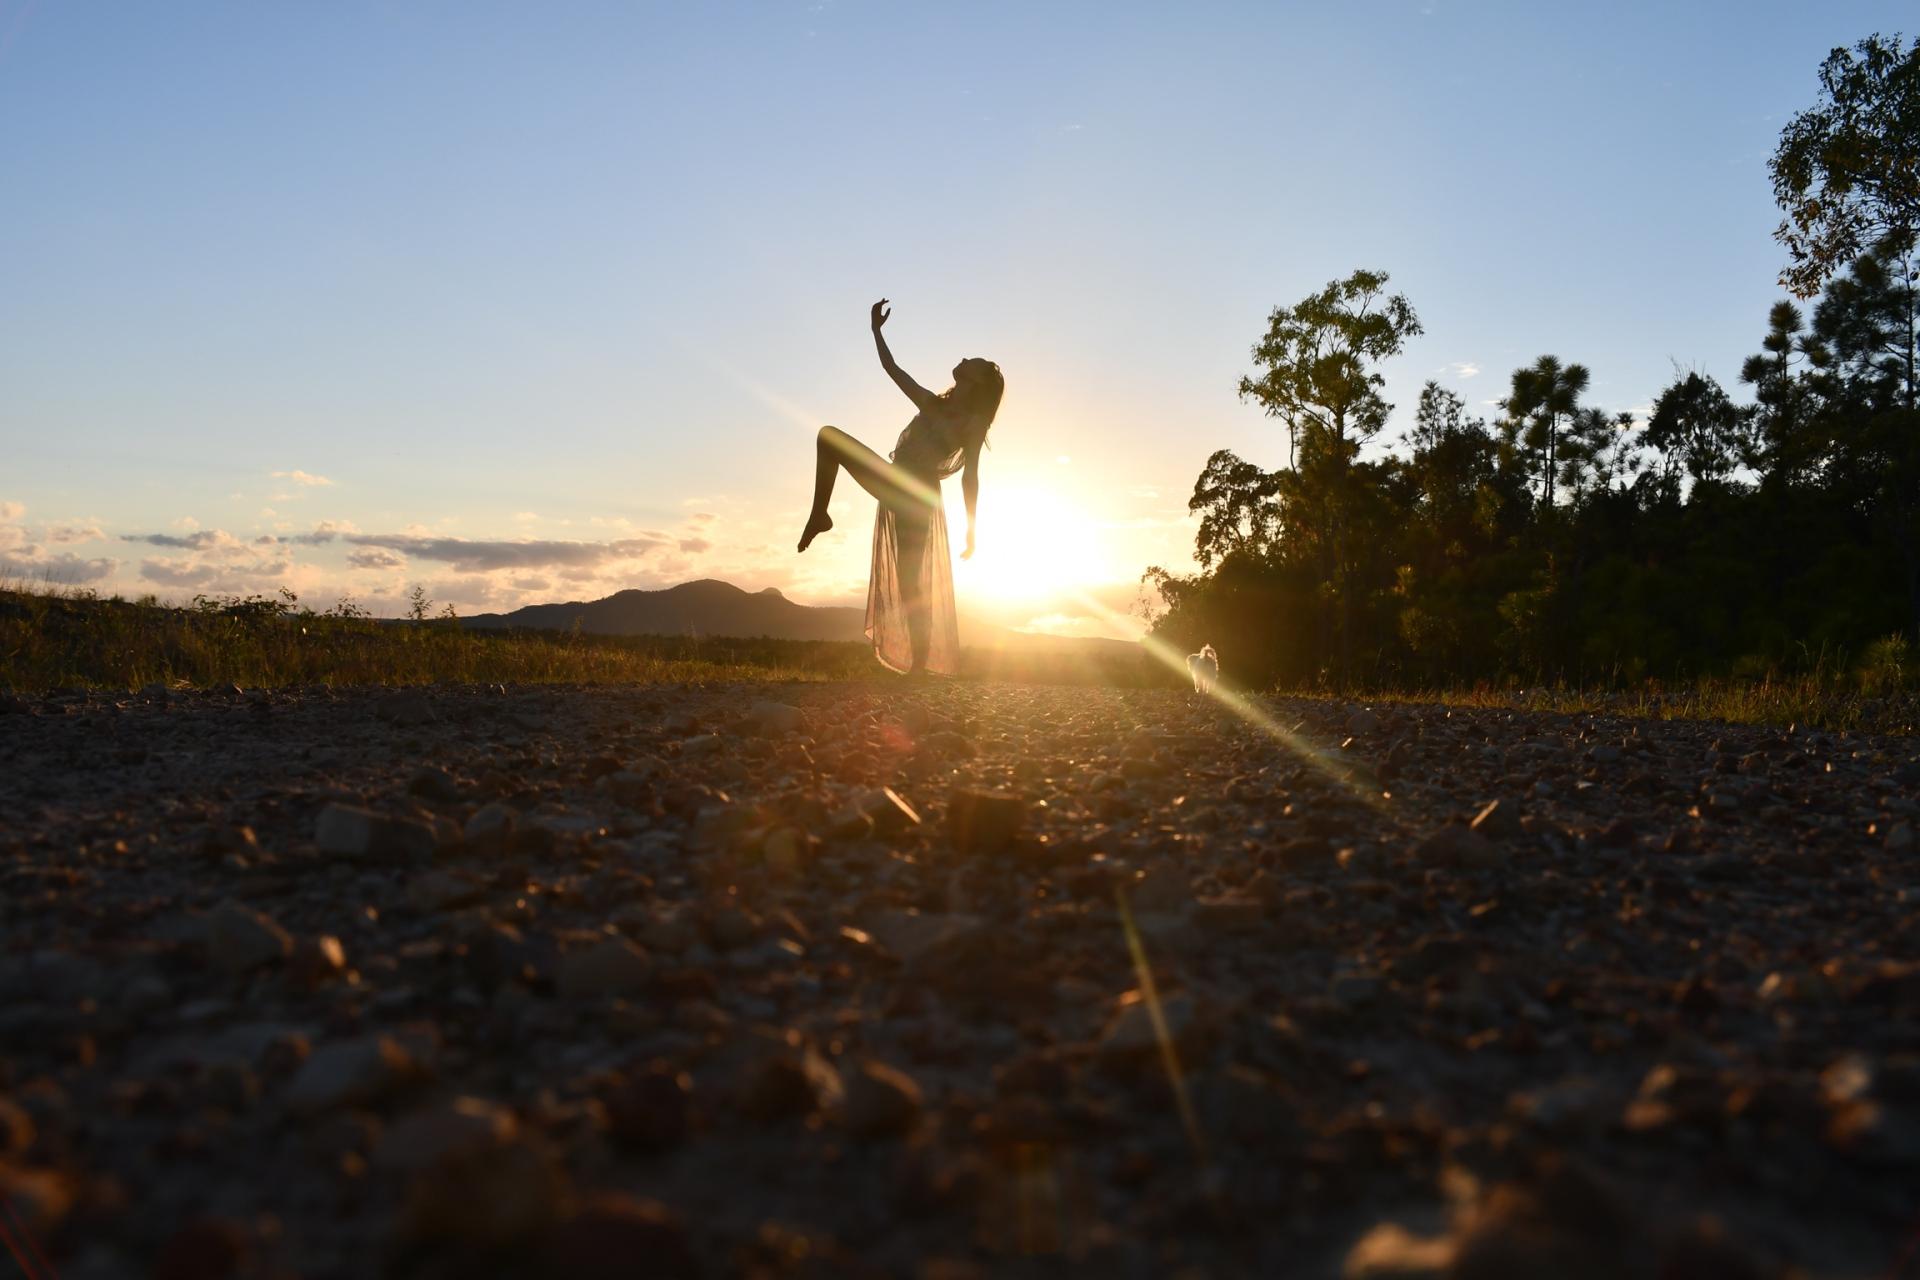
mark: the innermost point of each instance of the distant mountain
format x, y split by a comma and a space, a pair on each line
707, 607
713, 608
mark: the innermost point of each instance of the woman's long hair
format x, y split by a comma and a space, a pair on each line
976, 397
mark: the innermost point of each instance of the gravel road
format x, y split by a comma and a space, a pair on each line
942, 981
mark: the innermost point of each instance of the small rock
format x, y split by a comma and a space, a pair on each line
1163, 890
317, 958
1618, 834
204, 1249
431, 783
668, 932
1362, 723
785, 1083
879, 812
611, 967
408, 710
459, 1129
1132, 1033
1391, 1252
1457, 846
1353, 990
880, 1101
911, 934
776, 719
38, 1198
496, 1196
615, 1236
351, 1073
239, 939
351, 832
1499, 820
946, 742
1229, 914
16, 1130
442, 891
984, 822
1900, 838
650, 1109
147, 993
626, 787
730, 928
491, 826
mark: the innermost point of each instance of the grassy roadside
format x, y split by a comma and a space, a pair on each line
52, 640
1804, 701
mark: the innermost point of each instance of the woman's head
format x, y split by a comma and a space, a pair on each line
976, 391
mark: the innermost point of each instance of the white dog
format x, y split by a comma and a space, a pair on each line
1205, 668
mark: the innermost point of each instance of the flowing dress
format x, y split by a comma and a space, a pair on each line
929, 452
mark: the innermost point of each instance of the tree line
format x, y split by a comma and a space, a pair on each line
1559, 539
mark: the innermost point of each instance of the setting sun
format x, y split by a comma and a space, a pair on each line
1035, 544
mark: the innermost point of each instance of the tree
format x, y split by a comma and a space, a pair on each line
1698, 428
1544, 395
1318, 375
1866, 322
1316, 360
1599, 449
1780, 448
1847, 171
1235, 502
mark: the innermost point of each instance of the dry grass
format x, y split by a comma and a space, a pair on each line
57, 640
1808, 701
67, 639
52, 638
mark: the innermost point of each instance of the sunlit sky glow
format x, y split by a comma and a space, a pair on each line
533, 302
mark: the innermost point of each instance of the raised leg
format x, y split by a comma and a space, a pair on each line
834, 449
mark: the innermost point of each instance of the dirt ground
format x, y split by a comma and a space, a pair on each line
942, 981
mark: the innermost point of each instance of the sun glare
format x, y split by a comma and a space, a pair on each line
1034, 545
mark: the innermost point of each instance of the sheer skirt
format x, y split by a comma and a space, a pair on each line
898, 543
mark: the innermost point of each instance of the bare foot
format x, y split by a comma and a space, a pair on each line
817, 524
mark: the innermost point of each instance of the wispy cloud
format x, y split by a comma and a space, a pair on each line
199, 540
1464, 369
22, 556
64, 567
375, 558
88, 532
694, 546
479, 556
300, 477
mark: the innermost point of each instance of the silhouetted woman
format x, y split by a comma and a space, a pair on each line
910, 613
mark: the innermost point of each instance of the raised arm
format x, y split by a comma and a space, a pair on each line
920, 396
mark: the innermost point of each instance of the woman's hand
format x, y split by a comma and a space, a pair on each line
878, 316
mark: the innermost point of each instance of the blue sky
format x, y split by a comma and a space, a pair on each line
551, 296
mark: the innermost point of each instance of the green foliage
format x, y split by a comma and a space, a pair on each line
1316, 362
1568, 546
1887, 665
1846, 173
1544, 395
